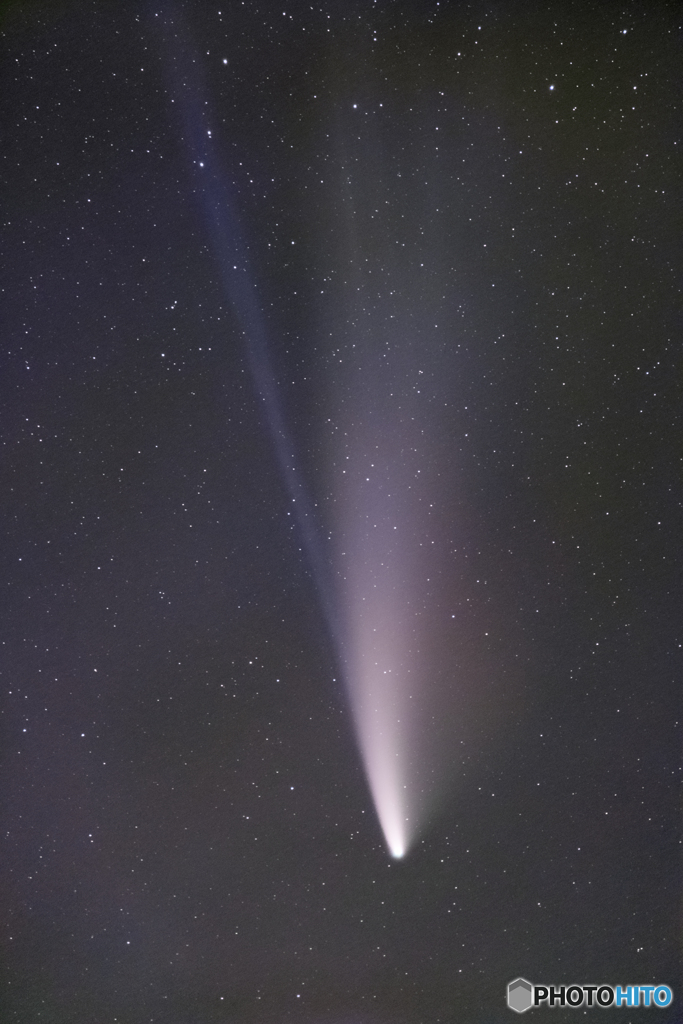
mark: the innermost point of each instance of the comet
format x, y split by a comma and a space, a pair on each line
377, 558
372, 567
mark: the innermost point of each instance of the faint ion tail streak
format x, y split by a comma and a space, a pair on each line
216, 191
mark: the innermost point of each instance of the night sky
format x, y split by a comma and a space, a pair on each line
338, 339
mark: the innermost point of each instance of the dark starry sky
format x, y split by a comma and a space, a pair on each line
187, 832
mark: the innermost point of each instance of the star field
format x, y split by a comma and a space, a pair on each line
338, 339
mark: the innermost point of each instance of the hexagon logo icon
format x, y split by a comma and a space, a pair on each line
520, 995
